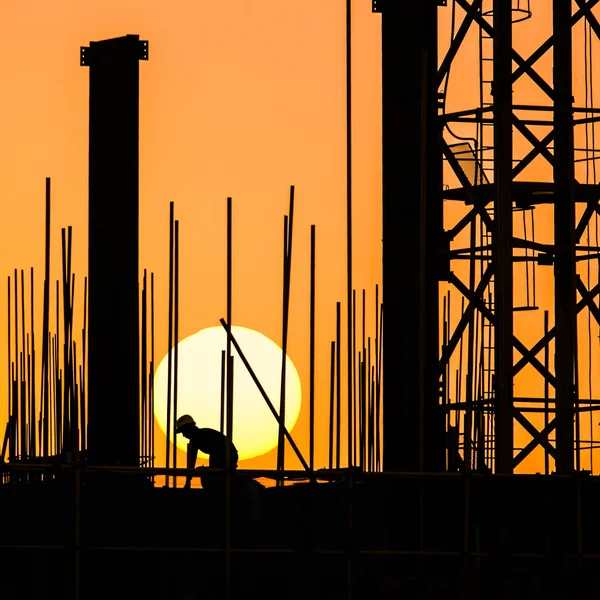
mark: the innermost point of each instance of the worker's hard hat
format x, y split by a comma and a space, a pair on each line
183, 421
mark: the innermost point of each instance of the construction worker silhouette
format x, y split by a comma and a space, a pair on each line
208, 441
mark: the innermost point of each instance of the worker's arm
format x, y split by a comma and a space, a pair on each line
192, 454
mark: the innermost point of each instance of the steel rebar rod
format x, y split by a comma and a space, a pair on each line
56, 388
29, 418
45, 375
378, 390
468, 417
363, 412
311, 401
65, 307
331, 403
23, 411
68, 416
82, 411
349, 190
82, 378
16, 375
338, 379
32, 408
151, 383
144, 365
228, 491
546, 391
284, 330
372, 420
287, 268
75, 433
170, 339
364, 381
229, 396
223, 390
8, 354
54, 404
369, 407
23, 377
376, 378
354, 378
74, 410
176, 345
15, 412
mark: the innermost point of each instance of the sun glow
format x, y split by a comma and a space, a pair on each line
199, 387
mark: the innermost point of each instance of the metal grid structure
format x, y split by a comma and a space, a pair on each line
465, 378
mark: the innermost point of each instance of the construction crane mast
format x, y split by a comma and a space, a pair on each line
469, 273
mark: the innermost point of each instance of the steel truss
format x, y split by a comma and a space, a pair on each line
481, 353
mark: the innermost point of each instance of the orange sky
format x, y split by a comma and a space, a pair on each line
242, 99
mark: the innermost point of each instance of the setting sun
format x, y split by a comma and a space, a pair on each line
199, 388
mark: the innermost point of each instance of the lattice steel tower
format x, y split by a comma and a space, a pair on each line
464, 192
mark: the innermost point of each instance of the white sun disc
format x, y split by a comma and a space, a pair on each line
255, 429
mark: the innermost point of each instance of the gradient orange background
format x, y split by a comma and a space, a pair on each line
239, 98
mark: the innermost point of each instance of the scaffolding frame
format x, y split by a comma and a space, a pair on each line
469, 547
